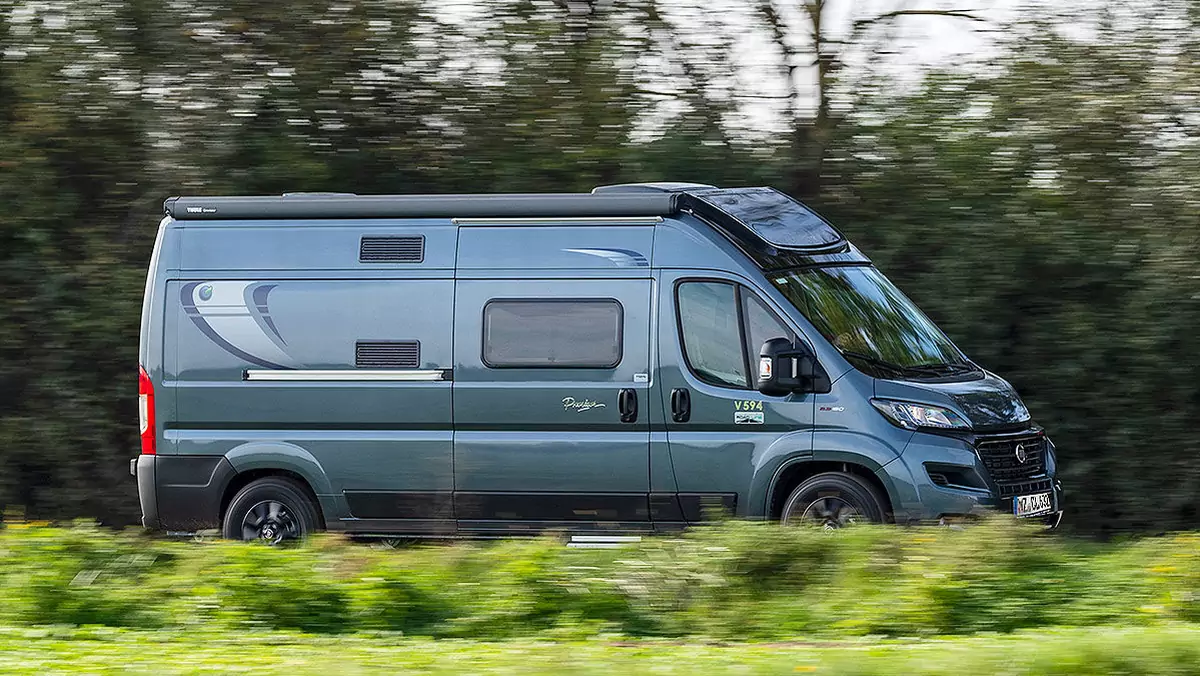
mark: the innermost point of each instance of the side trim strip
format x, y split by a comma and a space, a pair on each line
598, 220
406, 375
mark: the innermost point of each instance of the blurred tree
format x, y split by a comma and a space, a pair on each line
806, 37
1045, 215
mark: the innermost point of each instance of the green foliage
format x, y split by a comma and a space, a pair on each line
79, 576
280, 589
396, 597
737, 581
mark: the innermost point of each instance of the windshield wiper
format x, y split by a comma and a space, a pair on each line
883, 363
946, 368
949, 367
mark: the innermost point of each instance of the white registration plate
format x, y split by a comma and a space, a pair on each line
1033, 505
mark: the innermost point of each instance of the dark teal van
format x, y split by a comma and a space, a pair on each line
635, 359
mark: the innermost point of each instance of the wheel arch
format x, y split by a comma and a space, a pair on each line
796, 471
257, 460
243, 479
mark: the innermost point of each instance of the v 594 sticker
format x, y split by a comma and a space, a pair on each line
747, 412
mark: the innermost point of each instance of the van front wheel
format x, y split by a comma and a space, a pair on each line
270, 510
833, 500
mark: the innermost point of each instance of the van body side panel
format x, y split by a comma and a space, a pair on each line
543, 446
722, 448
576, 248
361, 441
312, 246
686, 242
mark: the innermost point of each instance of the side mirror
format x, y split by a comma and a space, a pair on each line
784, 367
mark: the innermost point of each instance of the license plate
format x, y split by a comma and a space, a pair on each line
1032, 505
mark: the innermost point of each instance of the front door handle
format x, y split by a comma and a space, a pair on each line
628, 405
681, 405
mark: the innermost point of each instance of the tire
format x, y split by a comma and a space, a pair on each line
834, 500
271, 510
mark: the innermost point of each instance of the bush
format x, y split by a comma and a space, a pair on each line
742, 581
281, 588
81, 575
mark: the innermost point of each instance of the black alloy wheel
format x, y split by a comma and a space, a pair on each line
271, 510
834, 500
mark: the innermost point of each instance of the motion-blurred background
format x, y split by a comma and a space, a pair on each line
1029, 174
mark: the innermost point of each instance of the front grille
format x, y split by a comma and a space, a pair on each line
1000, 458
1025, 488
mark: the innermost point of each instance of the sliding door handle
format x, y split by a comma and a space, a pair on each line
628, 405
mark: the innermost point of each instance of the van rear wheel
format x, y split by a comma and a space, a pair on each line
270, 510
833, 500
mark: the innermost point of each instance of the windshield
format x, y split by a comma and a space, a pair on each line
871, 322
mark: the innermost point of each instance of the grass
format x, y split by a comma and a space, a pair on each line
1164, 650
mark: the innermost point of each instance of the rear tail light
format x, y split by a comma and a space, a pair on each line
146, 411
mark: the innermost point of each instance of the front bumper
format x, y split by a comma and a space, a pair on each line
926, 453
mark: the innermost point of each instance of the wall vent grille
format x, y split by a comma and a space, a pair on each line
387, 354
392, 249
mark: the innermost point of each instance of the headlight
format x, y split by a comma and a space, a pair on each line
912, 416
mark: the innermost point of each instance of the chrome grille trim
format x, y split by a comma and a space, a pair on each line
999, 456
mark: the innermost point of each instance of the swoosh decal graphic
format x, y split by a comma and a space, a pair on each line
233, 318
622, 258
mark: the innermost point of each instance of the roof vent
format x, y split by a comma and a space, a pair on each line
392, 249
387, 354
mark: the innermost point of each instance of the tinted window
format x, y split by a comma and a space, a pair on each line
761, 325
552, 333
773, 216
712, 336
866, 317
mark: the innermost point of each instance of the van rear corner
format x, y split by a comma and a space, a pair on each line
151, 345
142, 468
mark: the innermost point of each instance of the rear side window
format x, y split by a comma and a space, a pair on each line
552, 333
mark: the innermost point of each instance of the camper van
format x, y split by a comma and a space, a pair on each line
636, 359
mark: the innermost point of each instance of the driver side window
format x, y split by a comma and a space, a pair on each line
711, 333
722, 326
